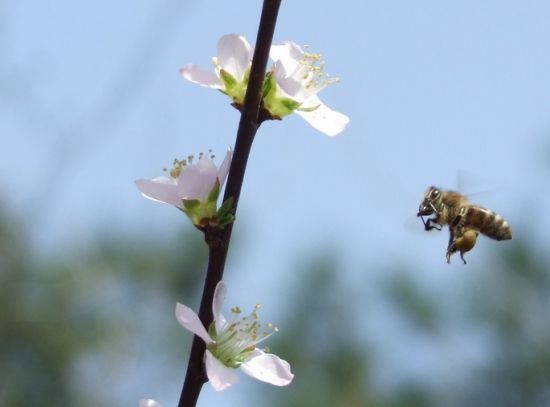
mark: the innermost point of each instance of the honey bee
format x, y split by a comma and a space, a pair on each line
465, 220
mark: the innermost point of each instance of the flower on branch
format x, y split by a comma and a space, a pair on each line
149, 403
293, 85
193, 188
231, 344
232, 68
290, 86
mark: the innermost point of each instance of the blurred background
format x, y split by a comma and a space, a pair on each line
455, 94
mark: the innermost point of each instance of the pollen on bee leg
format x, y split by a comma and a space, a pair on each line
464, 243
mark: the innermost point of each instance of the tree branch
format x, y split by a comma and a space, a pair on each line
218, 240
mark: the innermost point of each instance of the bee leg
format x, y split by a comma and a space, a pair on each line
456, 220
451, 248
431, 224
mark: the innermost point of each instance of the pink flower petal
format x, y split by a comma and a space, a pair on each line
220, 376
225, 165
196, 181
195, 74
288, 84
234, 55
160, 189
288, 54
268, 368
190, 321
217, 303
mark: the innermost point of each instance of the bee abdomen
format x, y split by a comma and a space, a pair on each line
489, 223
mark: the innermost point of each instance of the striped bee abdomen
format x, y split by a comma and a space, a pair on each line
489, 223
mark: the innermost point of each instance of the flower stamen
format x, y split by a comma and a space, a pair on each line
234, 342
179, 165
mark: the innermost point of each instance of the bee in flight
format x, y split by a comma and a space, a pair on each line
465, 220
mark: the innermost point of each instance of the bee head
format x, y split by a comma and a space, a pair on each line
430, 202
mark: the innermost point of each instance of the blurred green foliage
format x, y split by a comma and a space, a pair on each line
91, 306
502, 308
86, 317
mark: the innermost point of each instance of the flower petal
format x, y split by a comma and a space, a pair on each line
268, 368
195, 74
217, 303
160, 189
196, 181
225, 165
324, 119
149, 403
234, 55
289, 54
190, 321
220, 376
288, 84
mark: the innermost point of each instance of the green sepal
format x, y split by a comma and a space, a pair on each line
246, 77
214, 192
269, 83
234, 89
276, 105
308, 109
281, 106
212, 331
225, 216
290, 104
229, 82
190, 205
198, 212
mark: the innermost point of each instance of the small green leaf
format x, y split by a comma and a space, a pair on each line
214, 192
291, 104
190, 204
228, 80
225, 215
227, 205
308, 109
268, 84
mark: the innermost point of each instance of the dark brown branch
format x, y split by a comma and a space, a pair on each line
218, 240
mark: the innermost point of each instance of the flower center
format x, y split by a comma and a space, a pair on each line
179, 165
311, 73
239, 337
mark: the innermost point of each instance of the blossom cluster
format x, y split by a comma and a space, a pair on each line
193, 186
291, 85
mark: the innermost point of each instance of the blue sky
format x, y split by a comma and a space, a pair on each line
91, 99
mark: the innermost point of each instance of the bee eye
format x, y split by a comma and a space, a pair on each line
436, 193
